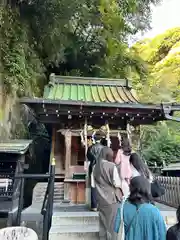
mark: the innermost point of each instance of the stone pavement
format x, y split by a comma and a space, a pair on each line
168, 213
163, 207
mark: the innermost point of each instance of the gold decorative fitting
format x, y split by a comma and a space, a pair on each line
53, 163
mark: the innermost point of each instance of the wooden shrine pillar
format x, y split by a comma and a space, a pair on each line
68, 139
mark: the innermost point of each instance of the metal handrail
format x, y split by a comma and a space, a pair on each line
28, 175
47, 208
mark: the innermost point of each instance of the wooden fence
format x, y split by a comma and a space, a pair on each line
156, 170
172, 190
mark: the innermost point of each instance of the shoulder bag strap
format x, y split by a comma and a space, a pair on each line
129, 226
122, 208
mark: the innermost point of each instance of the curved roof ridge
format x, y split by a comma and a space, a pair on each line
58, 79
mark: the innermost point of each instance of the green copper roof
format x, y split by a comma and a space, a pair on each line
89, 90
15, 146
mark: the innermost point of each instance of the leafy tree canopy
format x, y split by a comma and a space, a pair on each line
68, 37
159, 144
162, 57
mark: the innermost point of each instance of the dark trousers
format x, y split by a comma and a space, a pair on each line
93, 198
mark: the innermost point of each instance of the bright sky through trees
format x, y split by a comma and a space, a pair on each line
164, 16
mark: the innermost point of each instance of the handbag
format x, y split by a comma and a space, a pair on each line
156, 189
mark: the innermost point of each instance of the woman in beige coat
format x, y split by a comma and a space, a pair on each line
107, 183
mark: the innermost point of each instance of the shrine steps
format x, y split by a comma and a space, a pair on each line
74, 222
31, 216
70, 221
33, 212
40, 189
73, 233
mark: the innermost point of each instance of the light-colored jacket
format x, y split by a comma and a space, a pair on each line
122, 161
107, 182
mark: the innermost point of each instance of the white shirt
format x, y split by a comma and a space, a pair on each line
135, 173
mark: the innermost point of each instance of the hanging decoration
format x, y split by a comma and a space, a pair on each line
85, 134
119, 138
129, 133
108, 135
82, 138
86, 146
93, 137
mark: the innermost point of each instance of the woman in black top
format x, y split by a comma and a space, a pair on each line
173, 232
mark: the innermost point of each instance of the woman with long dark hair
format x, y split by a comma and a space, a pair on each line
139, 168
139, 217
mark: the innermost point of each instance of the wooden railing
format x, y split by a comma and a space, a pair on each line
172, 190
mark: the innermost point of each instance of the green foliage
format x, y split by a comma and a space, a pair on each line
162, 44
1, 115
86, 36
67, 37
83, 37
162, 56
22, 69
119, 62
159, 145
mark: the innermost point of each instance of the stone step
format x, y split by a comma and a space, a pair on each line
73, 233
76, 219
59, 195
40, 189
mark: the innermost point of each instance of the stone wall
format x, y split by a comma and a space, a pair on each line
10, 119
